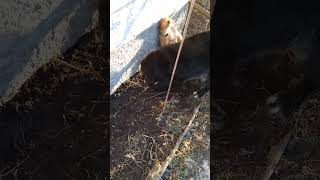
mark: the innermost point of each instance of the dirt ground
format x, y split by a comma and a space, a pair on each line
139, 141
55, 127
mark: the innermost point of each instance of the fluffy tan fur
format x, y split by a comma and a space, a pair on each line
168, 32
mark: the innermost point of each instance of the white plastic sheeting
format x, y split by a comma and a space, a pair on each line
134, 33
130, 17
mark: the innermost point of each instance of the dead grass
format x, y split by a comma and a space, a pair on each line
141, 140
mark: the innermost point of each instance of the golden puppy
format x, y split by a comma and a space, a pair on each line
168, 32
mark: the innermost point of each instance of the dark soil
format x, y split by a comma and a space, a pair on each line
138, 139
55, 127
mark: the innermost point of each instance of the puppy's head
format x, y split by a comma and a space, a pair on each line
164, 23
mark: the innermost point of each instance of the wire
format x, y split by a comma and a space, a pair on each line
178, 55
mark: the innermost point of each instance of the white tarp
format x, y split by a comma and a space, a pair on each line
130, 17
134, 33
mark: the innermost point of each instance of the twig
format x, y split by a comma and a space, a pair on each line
161, 150
143, 100
275, 154
14, 168
93, 106
178, 54
255, 112
156, 95
150, 152
202, 10
147, 136
70, 65
157, 173
58, 133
